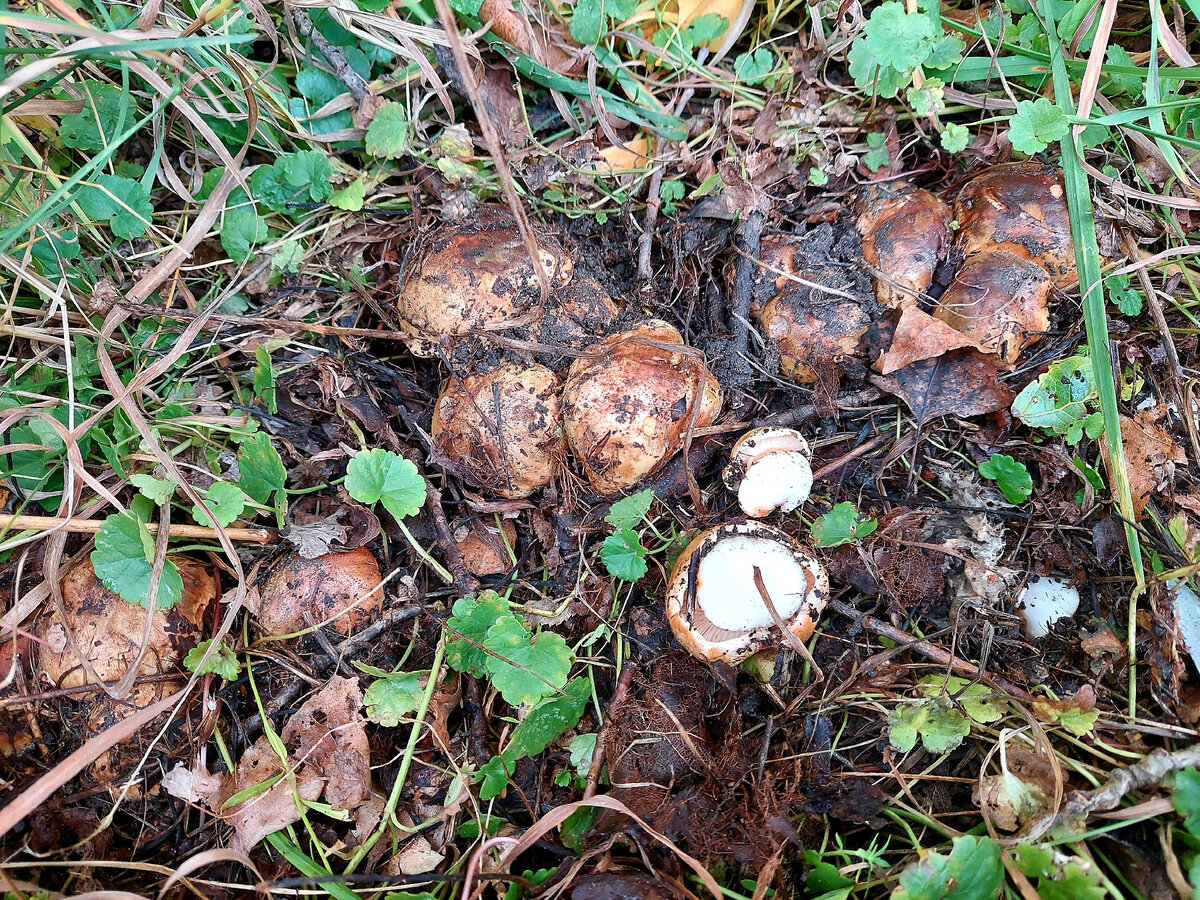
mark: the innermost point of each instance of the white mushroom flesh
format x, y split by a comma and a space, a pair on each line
1044, 601
781, 480
725, 583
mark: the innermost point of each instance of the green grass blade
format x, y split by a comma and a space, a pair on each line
1095, 317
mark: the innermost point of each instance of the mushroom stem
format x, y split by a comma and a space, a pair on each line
794, 642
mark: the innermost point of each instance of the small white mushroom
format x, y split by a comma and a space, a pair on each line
1043, 601
769, 468
715, 605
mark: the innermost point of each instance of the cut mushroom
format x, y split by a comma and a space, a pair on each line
769, 468
1043, 601
1019, 207
341, 590
476, 277
1000, 300
628, 404
503, 428
715, 603
905, 234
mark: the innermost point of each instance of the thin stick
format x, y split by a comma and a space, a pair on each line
92, 526
794, 642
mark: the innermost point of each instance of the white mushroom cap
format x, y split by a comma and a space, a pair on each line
769, 467
1043, 601
716, 610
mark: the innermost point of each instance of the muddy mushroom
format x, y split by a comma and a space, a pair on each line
628, 404
715, 606
1000, 300
476, 277
503, 428
342, 590
769, 468
905, 234
1021, 208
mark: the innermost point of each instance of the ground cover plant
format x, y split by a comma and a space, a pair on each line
456, 448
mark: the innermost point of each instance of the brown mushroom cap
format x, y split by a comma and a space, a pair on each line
905, 233
1019, 207
627, 406
342, 589
108, 630
1000, 300
503, 427
476, 276
714, 606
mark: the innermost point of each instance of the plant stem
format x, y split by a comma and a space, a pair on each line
92, 526
402, 776
424, 554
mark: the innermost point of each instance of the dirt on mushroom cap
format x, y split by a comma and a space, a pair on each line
340, 590
905, 236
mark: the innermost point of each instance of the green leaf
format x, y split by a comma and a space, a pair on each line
754, 68
630, 511
1128, 299
1122, 84
226, 502
124, 562
224, 662
877, 157
936, 721
351, 197
159, 490
817, 178
841, 525
587, 21
381, 476
493, 776
466, 7
391, 698
582, 749
471, 620
977, 700
262, 471
706, 28
1011, 477
122, 202
525, 668
242, 227
624, 556
549, 719
972, 871
954, 137
264, 379
1059, 398
1061, 878
389, 133
947, 51
1186, 796
1035, 125
93, 127
899, 39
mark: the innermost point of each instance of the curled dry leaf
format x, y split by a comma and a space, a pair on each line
340, 589
811, 302
905, 234
476, 276
627, 405
714, 605
1150, 456
960, 383
502, 428
920, 336
1020, 793
1019, 207
1000, 300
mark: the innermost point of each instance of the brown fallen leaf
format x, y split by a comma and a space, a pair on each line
1150, 457
1019, 794
959, 383
920, 336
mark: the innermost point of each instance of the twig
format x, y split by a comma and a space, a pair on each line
333, 55
618, 697
650, 222
92, 526
794, 642
906, 641
1143, 774
749, 235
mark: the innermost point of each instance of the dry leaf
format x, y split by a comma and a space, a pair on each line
920, 336
1150, 457
960, 383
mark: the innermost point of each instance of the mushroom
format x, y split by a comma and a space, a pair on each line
812, 321
769, 468
1000, 300
1019, 207
108, 630
503, 428
905, 233
628, 404
1043, 601
342, 590
476, 276
715, 602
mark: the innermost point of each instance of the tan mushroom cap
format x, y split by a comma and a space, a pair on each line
108, 630
341, 589
503, 427
905, 233
627, 405
476, 276
1019, 207
731, 622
